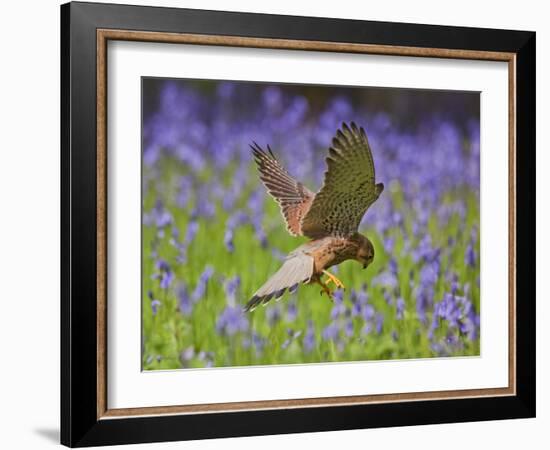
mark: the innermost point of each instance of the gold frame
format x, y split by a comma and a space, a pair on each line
103, 36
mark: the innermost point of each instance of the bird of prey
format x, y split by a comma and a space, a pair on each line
329, 218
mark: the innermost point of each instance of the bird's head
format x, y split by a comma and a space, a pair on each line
365, 250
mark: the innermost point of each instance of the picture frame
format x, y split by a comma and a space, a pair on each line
86, 29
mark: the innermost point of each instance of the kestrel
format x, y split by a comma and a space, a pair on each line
329, 218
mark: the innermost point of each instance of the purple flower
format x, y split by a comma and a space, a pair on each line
291, 312
356, 304
166, 279
389, 243
348, 328
187, 355
331, 332
459, 313
155, 304
470, 256
191, 231
339, 308
200, 288
158, 216
231, 321
385, 279
367, 328
393, 267
309, 338
425, 252
185, 304
272, 98
258, 342
231, 287
164, 274
368, 312
260, 233
379, 323
429, 275
400, 308
228, 240
256, 204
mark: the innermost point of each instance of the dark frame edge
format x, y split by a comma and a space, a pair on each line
65, 370
525, 222
78, 226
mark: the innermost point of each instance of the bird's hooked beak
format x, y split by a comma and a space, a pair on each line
366, 262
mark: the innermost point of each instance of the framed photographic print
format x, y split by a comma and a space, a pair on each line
276, 224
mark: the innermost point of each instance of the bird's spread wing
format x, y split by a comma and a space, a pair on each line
349, 187
293, 197
297, 268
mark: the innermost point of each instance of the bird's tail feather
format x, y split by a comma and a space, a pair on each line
296, 269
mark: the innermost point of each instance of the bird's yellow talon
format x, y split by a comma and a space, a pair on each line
325, 289
334, 279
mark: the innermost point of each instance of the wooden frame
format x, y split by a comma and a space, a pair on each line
86, 418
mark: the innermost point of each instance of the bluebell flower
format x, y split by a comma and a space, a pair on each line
155, 304
385, 279
187, 355
164, 274
159, 217
356, 306
200, 288
339, 308
191, 231
231, 287
309, 337
228, 240
367, 328
260, 233
331, 332
368, 312
258, 342
470, 256
379, 323
348, 328
394, 267
291, 312
400, 308
231, 321
185, 305
389, 243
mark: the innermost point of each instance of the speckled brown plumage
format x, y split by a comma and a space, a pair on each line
293, 197
330, 218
